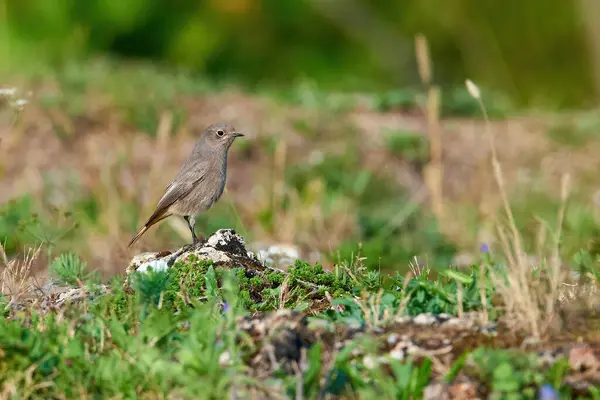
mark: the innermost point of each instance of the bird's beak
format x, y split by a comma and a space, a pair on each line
237, 134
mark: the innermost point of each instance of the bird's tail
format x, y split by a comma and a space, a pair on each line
151, 221
138, 235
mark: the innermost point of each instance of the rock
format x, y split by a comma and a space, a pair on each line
224, 248
277, 255
54, 297
56, 300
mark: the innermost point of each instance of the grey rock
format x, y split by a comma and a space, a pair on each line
225, 246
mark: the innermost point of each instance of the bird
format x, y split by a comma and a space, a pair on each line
200, 181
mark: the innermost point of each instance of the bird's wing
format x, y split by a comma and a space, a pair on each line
180, 187
175, 191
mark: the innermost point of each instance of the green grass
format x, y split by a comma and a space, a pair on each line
169, 337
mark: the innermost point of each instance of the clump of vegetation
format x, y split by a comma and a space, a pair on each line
303, 286
70, 269
515, 374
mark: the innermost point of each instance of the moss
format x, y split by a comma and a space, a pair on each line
257, 290
257, 281
274, 277
188, 274
302, 270
245, 299
121, 304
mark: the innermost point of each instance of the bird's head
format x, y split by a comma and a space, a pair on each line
220, 135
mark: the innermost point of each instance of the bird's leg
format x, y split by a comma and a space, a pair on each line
191, 221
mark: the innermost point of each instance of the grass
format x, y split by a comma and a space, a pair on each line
174, 335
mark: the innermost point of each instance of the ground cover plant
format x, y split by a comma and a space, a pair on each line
177, 333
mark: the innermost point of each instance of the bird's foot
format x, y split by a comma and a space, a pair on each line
199, 241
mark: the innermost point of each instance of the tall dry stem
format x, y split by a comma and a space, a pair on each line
530, 294
434, 170
16, 275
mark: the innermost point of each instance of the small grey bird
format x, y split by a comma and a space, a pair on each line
199, 182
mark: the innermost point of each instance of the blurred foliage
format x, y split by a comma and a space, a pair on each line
580, 228
15, 216
503, 45
389, 233
575, 132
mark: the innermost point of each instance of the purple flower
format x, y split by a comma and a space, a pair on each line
225, 307
485, 248
547, 392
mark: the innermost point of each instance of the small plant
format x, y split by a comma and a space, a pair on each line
16, 275
575, 132
70, 269
16, 218
426, 295
150, 287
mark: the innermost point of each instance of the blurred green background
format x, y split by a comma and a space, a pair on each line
536, 51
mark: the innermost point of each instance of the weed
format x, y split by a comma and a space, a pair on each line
396, 100
575, 132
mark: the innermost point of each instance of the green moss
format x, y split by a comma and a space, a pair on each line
121, 304
257, 281
188, 275
257, 290
303, 271
409, 145
274, 277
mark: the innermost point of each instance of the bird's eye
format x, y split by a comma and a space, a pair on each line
220, 133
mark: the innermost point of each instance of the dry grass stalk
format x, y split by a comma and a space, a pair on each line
529, 296
284, 292
16, 278
434, 170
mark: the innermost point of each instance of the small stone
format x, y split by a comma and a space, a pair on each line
154, 265
398, 354
225, 359
8, 92
392, 339
424, 319
280, 255
369, 361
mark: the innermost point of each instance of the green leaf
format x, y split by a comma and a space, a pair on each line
457, 276
211, 283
